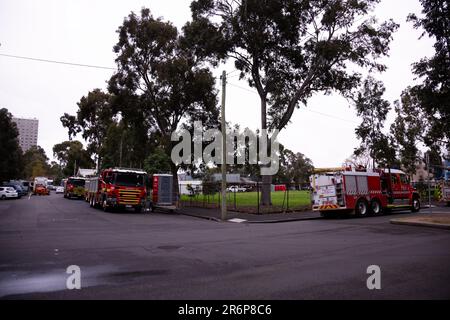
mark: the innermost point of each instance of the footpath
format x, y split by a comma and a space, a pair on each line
237, 217
439, 220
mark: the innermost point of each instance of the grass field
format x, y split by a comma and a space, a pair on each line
249, 199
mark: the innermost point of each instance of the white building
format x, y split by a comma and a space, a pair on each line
28, 132
185, 186
85, 173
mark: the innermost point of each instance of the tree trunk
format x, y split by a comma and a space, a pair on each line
266, 199
175, 187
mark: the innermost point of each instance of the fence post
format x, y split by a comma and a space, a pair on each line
287, 203
257, 194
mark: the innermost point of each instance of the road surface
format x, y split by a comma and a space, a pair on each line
170, 256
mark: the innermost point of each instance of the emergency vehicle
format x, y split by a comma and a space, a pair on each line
40, 186
74, 187
362, 191
118, 188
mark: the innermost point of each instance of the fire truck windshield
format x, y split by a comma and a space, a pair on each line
76, 182
129, 179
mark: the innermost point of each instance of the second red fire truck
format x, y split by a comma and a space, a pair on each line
362, 192
118, 188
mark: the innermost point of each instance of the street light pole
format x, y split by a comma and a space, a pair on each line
224, 149
429, 182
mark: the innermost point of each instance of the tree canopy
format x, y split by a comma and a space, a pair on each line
35, 163
160, 82
72, 156
11, 159
94, 117
433, 94
291, 49
373, 109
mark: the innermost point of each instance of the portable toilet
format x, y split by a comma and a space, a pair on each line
162, 193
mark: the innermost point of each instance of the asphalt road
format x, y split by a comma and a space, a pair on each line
170, 256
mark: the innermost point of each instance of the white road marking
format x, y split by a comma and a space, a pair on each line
236, 220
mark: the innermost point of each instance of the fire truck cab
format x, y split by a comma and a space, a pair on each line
74, 187
118, 188
362, 192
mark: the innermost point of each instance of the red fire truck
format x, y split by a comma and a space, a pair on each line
118, 188
362, 192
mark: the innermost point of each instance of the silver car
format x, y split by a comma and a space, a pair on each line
8, 192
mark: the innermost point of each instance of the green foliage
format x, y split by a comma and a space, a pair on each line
433, 95
72, 156
294, 168
157, 162
35, 163
11, 153
408, 129
94, 117
245, 200
423, 112
209, 186
56, 173
373, 110
97, 120
290, 49
160, 82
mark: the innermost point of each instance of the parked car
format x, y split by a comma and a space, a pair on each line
8, 192
25, 185
236, 189
59, 190
17, 188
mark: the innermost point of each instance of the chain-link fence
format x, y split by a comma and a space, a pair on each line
246, 198
426, 191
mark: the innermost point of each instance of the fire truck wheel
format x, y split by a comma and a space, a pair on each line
362, 209
415, 205
137, 209
375, 207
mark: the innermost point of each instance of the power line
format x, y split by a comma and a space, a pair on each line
109, 68
317, 112
331, 116
231, 72
242, 88
57, 62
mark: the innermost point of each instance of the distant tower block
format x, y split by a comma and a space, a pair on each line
28, 132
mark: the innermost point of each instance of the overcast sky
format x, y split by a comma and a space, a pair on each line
85, 31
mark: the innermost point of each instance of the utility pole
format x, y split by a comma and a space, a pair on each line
224, 149
120, 154
429, 181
